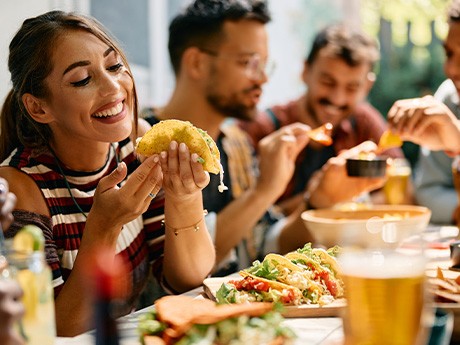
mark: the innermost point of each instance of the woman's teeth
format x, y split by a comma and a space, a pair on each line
110, 112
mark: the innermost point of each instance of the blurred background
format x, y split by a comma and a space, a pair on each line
410, 34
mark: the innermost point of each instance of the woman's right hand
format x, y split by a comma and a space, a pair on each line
116, 206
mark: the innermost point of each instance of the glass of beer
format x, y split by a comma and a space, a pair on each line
385, 293
396, 186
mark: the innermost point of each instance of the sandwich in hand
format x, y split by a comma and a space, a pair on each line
158, 138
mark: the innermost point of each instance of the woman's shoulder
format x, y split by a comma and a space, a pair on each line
29, 196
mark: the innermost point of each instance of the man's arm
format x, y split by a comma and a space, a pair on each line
277, 154
434, 186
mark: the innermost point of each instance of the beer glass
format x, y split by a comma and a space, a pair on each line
395, 188
385, 298
385, 294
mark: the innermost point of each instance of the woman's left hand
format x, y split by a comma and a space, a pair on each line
182, 173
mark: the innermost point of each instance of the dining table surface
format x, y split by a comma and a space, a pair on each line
308, 330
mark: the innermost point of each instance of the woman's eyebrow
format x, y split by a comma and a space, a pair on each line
76, 64
108, 51
85, 62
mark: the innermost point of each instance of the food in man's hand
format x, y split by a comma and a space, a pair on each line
184, 320
306, 276
322, 134
389, 140
158, 138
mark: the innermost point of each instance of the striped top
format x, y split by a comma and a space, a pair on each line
139, 242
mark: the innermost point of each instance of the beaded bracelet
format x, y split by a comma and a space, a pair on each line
194, 227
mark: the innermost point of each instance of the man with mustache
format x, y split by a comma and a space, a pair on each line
218, 50
338, 74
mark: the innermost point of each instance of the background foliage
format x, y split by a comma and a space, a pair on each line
410, 33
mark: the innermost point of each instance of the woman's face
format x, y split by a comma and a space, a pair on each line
91, 92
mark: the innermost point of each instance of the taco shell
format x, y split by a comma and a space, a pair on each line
158, 138
327, 259
299, 256
283, 261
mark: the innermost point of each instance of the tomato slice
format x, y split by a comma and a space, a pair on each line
250, 283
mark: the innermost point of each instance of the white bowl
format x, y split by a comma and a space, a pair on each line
382, 225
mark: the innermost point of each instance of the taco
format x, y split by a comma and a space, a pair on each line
323, 265
291, 274
158, 138
257, 289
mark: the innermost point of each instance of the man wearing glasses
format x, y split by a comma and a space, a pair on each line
338, 74
219, 53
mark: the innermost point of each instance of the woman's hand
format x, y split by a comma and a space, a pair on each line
183, 175
427, 122
116, 206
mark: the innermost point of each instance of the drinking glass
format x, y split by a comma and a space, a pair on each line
34, 277
396, 186
385, 293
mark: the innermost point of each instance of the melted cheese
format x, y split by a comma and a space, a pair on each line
221, 186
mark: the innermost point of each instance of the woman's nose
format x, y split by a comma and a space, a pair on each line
110, 83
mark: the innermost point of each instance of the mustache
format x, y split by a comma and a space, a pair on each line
325, 101
253, 88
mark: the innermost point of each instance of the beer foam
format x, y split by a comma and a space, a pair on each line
381, 264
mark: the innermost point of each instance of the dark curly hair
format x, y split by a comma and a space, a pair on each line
353, 46
200, 23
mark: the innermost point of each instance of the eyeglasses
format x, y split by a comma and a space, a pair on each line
254, 67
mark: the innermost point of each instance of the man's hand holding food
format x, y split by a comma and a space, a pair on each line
425, 121
332, 185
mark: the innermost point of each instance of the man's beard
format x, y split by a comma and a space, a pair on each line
230, 107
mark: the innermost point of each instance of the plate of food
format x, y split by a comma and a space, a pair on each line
306, 282
444, 285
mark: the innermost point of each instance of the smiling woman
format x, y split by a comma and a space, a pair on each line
67, 151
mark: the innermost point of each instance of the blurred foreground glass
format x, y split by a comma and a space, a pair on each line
34, 276
385, 298
385, 293
396, 186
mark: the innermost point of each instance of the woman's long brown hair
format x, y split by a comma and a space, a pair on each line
30, 62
